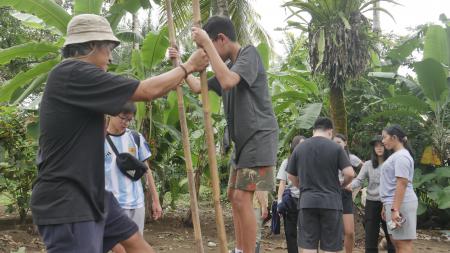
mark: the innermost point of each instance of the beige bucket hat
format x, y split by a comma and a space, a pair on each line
89, 27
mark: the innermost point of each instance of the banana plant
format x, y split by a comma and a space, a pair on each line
429, 97
433, 189
48, 14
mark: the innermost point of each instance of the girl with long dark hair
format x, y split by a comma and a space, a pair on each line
396, 190
372, 219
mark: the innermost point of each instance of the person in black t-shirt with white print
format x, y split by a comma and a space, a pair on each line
314, 167
69, 203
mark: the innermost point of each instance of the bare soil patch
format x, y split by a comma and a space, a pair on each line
170, 235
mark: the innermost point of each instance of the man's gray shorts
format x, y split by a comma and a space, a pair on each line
320, 225
90, 236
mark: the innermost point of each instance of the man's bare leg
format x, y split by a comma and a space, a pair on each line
118, 249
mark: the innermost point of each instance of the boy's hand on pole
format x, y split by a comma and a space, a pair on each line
197, 62
200, 36
174, 54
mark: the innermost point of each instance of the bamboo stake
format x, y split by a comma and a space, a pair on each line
185, 137
223, 245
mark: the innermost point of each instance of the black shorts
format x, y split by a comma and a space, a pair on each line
347, 202
90, 236
320, 225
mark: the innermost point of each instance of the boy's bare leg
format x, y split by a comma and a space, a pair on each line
349, 232
136, 244
237, 226
242, 203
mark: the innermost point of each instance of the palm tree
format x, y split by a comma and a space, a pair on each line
241, 12
220, 7
339, 44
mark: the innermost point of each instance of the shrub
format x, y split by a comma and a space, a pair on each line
17, 158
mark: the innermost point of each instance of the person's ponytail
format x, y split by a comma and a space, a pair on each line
407, 146
398, 131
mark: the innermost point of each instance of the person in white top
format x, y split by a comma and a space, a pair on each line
129, 193
289, 216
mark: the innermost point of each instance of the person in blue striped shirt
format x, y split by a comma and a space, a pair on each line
129, 193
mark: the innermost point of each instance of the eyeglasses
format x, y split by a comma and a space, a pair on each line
125, 119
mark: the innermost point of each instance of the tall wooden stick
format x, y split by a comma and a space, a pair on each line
223, 245
185, 137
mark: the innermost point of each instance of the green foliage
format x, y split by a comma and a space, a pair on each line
242, 14
17, 158
308, 115
436, 45
87, 6
264, 52
43, 54
296, 95
47, 10
24, 78
154, 48
432, 77
433, 191
129, 36
426, 99
31, 49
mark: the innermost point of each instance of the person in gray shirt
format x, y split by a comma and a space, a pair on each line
372, 218
241, 80
396, 191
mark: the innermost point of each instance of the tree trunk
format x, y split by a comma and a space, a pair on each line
220, 7
337, 110
376, 17
187, 221
201, 166
23, 216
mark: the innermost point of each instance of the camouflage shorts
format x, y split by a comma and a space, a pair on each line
252, 179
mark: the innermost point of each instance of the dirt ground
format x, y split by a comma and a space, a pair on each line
170, 235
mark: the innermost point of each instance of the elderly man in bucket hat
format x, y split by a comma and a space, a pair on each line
69, 203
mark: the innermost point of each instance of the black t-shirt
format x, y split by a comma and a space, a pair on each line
248, 108
317, 162
70, 184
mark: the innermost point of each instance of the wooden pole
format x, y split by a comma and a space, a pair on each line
223, 245
185, 137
